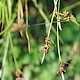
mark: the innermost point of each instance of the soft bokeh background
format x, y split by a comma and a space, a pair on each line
30, 63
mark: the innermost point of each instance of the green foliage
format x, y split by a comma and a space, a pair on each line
29, 63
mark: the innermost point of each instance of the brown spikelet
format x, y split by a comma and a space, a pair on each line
18, 75
45, 48
63, 67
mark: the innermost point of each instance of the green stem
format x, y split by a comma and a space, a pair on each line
9, 25
51, 22
39, 24
58, 44
71, 6
13, 51
58, 32
45, 17
9, 8
5, 56
2, 17
77, 23
58, 39
12, 48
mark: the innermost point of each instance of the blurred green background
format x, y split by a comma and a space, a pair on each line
29, 63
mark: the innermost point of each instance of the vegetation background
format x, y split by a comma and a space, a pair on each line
14, 47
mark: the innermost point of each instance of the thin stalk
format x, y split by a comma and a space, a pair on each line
9, 8
58, 38
10, 20
7, 44
20, 16
55, 8
58, 44
12, 48
28, 39
77, 23
45, 17
15, 61
9, 25
5, 55
6, 15
26, 11
58, 32
62, 76
39, 24
44, 54
27, 35
0, 12
2, 16
51, 22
